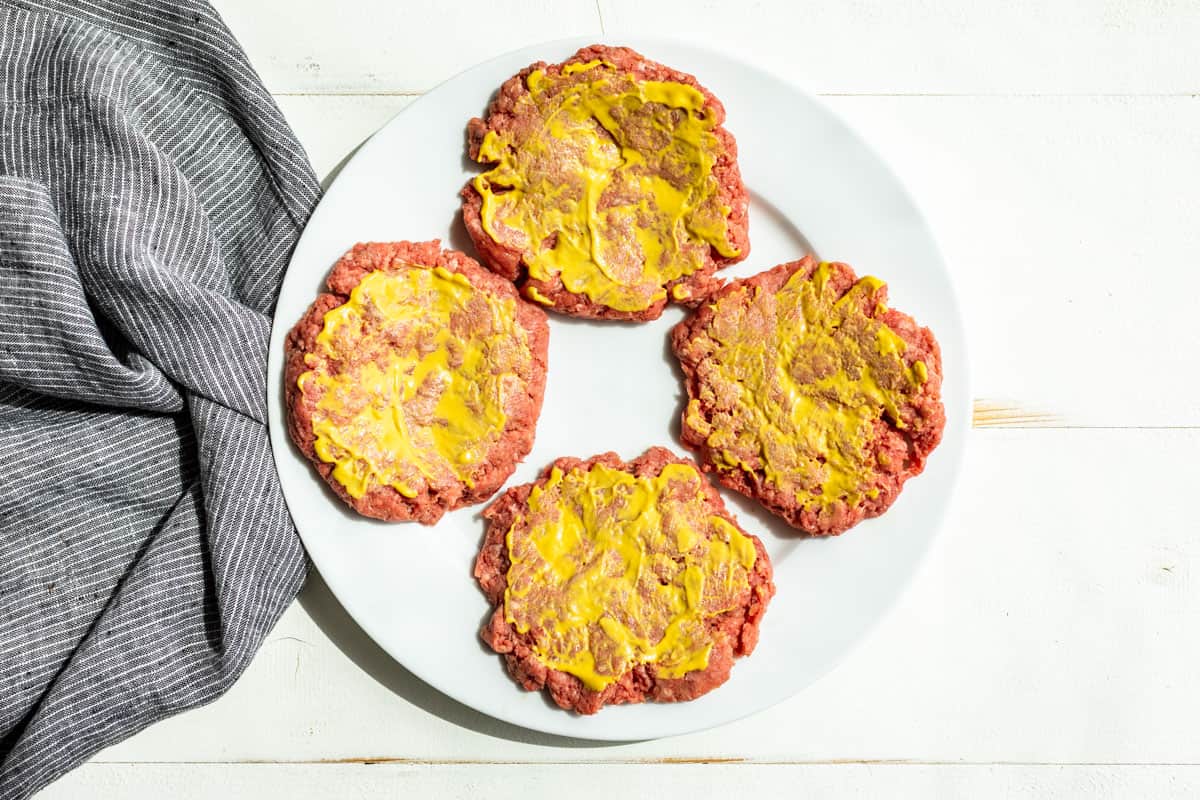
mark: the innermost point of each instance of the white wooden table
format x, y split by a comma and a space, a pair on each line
1049, 646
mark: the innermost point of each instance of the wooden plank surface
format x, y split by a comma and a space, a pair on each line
907, 47
715, 781
1047, 647
382, 46
945, 46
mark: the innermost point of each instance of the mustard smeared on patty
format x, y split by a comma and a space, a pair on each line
608, 184
796, 381
611, 570
410, 377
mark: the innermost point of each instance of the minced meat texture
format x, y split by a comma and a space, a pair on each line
809, 394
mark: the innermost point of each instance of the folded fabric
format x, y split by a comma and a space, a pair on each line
150, 197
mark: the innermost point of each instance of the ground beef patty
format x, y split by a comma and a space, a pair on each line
415, 383
612, 186
808, 393
619, 582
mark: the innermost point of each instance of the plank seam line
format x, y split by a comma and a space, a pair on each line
967, 95
991, 427
738, 762
1082, 95
354, 93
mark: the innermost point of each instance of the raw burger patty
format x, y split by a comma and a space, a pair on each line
619, 582
414, 384
809, 394
611, 188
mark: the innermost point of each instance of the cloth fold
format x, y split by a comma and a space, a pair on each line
151, 194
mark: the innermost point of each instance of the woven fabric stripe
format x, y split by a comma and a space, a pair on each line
150, 197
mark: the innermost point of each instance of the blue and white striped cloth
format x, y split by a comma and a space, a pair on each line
150, 197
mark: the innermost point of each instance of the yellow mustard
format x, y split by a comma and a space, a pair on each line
616, 570
614, 191
805, 401
411, 375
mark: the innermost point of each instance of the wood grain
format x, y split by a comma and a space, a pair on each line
1010, 414
1047, 647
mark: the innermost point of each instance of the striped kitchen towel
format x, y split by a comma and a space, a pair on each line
150, 197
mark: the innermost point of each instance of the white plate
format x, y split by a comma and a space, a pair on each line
815, 186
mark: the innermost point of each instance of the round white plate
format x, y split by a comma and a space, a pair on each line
814, 186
